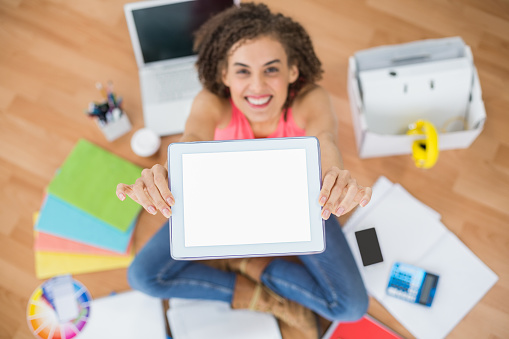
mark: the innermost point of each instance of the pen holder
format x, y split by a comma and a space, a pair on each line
115, 128
108, 114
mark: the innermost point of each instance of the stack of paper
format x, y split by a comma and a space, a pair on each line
82, 226
411, 232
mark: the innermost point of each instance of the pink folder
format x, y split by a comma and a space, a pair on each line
50, 243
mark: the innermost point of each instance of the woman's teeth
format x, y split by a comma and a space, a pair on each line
258, 101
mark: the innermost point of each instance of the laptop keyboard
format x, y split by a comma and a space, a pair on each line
171, 85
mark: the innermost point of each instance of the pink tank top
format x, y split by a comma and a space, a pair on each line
239, 127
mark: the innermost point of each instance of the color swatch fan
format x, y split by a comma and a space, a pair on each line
43, 319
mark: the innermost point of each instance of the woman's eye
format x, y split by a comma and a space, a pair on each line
272, 70
242, 71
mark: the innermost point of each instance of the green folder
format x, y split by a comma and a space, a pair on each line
88, 180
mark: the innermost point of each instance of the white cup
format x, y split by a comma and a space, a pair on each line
145, 142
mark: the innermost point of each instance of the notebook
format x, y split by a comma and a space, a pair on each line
196, 318
366, 327
162, 37
127, 315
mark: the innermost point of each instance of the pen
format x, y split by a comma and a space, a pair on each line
101, 89
110, 95
119, 103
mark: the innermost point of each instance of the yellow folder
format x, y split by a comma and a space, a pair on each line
48, 264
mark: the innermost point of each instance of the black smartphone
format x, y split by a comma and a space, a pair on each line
369, 246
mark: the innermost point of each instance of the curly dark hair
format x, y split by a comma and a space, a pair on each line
216, 37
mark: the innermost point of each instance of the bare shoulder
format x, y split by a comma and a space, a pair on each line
312, 93
210, 104
313, 102
207, 112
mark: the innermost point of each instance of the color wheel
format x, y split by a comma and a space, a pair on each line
43, 320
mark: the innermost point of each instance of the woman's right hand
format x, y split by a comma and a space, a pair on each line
150, 191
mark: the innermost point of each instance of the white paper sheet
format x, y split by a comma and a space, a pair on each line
129, 315
411, 232
197, 319
380, 188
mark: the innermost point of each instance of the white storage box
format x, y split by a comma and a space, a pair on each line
445, 91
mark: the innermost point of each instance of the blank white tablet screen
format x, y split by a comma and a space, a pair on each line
251, 197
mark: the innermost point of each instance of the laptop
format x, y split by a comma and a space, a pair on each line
162, 37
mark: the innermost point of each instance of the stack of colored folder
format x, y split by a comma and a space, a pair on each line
82, 226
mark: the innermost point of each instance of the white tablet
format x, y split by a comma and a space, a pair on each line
245, 198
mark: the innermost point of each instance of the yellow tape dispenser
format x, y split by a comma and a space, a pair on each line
424, 151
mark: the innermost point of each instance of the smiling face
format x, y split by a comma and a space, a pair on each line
258, 76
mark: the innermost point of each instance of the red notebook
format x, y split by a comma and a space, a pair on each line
365, 328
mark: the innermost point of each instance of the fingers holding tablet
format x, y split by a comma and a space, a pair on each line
150, 191
325, 200
355, 195
156, 181
124, 190
340, 193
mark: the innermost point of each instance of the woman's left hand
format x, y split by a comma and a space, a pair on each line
340, 193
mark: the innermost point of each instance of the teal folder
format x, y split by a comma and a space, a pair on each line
61, 219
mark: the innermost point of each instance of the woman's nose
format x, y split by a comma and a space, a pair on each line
257, 83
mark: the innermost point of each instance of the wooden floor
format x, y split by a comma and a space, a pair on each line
53, 51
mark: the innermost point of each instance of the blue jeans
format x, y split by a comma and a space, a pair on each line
328, 283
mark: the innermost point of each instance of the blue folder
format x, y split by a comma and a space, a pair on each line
62, 219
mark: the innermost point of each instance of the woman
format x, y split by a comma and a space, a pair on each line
259, 71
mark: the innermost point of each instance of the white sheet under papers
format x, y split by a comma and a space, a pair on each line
129, 315
380, 189
411, 232
198, 319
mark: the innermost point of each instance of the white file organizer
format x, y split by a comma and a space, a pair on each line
385, 100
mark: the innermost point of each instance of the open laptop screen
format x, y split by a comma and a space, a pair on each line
166, 31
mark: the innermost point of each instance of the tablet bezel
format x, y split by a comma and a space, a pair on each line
176, 223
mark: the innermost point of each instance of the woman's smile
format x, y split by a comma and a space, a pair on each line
259, 102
